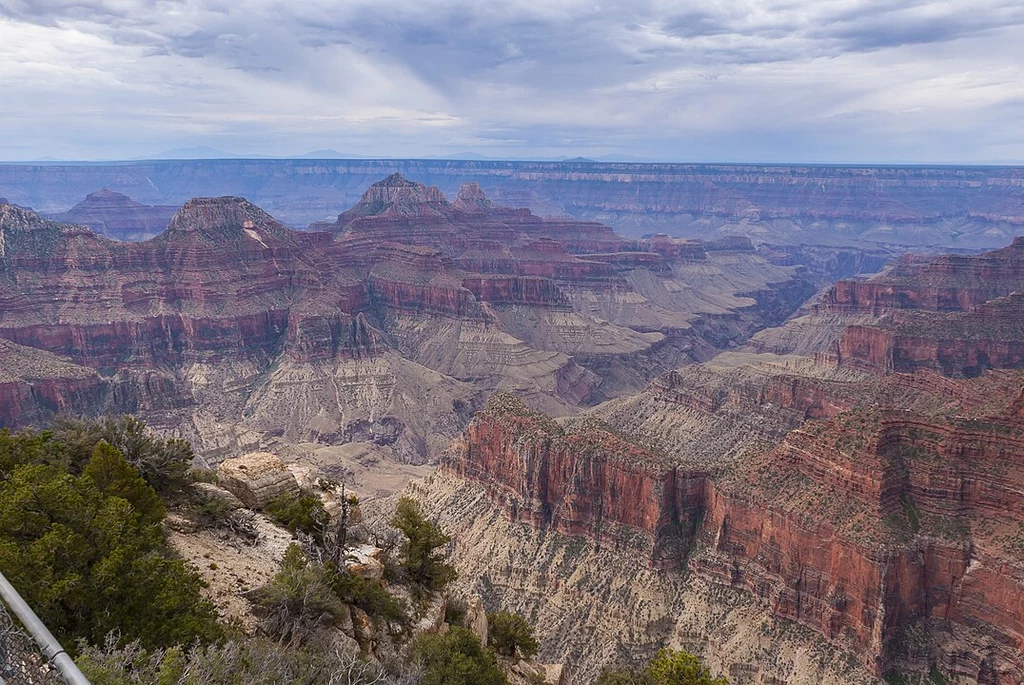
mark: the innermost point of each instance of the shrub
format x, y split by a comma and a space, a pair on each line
455, 611
219, 514
299, 601
372, 598
306, 597
254, 661
456, 658
668, 667
164, 464
115, 477
304, 513
87, 551
423, 562
510, 634
201, 474
675, 667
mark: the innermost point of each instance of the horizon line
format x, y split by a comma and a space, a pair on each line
574, 160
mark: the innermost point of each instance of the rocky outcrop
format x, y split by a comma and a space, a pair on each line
35, 384
597, 606
956, 314
363, 561
863, 527
117, 216
578, 480
256, 479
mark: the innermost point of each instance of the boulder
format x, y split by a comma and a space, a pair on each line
257, 478
207, 492
476, 618
344, 643
364, 561
432, 619
365, 632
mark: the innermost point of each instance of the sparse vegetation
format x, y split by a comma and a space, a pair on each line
304, 513
81, 539
423, 562
668, 667
307, 596
299, 601
456, 658
511, 635
252, 661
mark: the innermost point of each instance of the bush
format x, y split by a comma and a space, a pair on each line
510, 634
164, 464
304, 513
675, 667
306, 597
220, 515
456, 658
455, 611
372, 598
87, 551
299, 601
253, 661
201, 474
423, 563
668, 667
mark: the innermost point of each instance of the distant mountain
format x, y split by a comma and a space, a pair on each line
468, 156
329, 154
949, 207
196, 152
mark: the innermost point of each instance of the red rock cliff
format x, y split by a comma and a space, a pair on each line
860, 526
955, 314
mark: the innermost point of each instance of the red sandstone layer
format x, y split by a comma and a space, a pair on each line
858, 526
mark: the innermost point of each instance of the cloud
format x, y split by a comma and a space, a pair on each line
823, 80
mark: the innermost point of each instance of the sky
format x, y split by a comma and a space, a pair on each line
832, 81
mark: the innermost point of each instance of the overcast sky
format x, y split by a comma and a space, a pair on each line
728, 80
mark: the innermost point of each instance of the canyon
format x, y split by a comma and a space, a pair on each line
917, 206
872, 497
391, 325
721, 436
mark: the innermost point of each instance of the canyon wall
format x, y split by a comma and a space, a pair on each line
860, 527
258, 333
969, 207
955, 314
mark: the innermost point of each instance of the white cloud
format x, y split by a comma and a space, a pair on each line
901, 80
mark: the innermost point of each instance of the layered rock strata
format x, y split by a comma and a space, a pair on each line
117, 216
257, 479
955, 314
232, 330
865, 527
965, 207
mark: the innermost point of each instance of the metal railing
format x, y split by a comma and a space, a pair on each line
31, 661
